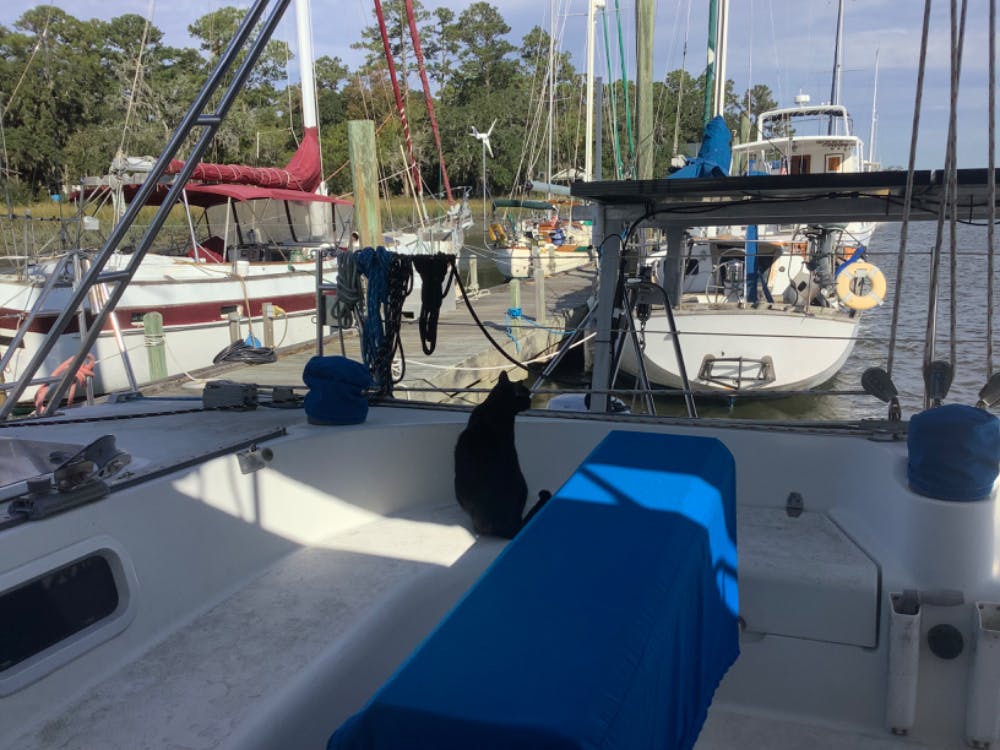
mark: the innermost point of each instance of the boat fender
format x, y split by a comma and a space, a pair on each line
857, 275
496, 233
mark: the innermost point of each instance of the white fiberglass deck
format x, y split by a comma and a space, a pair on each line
269, 605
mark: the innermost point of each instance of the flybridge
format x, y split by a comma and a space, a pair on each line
785, 199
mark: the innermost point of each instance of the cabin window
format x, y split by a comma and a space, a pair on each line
834, 162
801, 164
50, 609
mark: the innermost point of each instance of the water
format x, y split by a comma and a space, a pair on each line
874, 334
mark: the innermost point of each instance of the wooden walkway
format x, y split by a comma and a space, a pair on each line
463, 357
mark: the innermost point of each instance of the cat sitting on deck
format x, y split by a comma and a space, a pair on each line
489, 484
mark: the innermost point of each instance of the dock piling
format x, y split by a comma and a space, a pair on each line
152, 328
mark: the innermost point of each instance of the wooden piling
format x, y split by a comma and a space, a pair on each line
234, 327
364, 176
156, 350
267, 323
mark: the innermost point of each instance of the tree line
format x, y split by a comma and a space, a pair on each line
74, 92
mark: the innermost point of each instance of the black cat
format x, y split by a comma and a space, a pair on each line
489, 484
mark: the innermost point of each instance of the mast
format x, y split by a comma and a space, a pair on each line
713, 36
400, 105
871, 130
418, 52
644, 17
319, 219
835, 83
552, 80
715, 69
588, 160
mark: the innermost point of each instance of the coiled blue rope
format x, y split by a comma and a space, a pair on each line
374, 263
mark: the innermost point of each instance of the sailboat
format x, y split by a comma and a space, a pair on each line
259, 238
178, 576
762, 307
525, 235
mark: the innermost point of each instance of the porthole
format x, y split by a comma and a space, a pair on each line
58, 607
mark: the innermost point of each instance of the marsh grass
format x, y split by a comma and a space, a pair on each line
52, 227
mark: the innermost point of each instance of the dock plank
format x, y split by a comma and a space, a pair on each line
463, 357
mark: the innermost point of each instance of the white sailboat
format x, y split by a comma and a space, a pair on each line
172, 576
764, 307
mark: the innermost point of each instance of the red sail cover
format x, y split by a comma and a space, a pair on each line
302, 173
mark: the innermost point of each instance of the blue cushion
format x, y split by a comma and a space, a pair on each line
954, 452
336, 390
607, 623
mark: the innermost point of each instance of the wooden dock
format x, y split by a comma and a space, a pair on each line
463, 358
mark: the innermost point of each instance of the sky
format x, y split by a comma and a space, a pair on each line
786, 44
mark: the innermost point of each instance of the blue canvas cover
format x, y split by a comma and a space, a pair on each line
954, 452
336, 390
713, 157
607, 623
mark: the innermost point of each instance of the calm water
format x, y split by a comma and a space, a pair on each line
874, 332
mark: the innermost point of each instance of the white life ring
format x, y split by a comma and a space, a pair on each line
861, 273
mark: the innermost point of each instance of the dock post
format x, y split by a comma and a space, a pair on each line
473, 275
540, 317
364, 179
156, 350
267, 323
234, 327
514, 315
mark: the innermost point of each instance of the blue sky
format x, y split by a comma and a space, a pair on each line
787, 44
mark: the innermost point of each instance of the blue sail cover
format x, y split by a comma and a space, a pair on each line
714, 156
606, 624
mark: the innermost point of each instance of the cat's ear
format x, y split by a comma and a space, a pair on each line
504, 380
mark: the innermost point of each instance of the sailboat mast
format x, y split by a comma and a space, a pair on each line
319, 220
588, 159
715, 70
722, 57
835, 83
871, 130
644, 21
303, 28
552, 83
411, 160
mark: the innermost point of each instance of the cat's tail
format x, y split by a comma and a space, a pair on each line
543, 497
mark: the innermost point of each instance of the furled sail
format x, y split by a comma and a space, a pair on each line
303, 171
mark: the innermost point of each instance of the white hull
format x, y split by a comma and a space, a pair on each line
196, 300
781, 349
516, 262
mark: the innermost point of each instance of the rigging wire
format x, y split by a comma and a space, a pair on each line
948, 198
138, 74
958, 47
908, 195
613, 98
991, 182
628, 111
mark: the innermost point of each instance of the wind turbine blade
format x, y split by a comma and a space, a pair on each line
490, 131
486, 142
